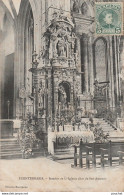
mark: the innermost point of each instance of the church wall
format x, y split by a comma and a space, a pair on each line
8, 86
7, 45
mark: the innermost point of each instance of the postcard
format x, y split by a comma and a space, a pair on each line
61, 96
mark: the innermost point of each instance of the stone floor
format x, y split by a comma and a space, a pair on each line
54, 176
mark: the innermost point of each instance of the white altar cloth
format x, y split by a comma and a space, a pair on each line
86, 136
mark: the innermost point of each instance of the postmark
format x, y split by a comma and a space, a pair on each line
109, 18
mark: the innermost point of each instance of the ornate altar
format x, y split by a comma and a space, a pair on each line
57, 82
59, 54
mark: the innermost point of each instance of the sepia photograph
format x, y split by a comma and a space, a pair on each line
61, 95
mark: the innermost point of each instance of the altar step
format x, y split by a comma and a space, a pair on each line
104, 124
108, 128
114, 133
10, 149
63, 153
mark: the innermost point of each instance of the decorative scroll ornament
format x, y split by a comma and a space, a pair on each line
60, 40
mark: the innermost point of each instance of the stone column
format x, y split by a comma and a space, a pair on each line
36, 85
2, 81
118, 68
78, 48
72, 89
110, 72
84, 55
49, 97
91, 72
55, 102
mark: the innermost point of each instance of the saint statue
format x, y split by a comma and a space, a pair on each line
40, 98
61, 47
76, 6
62, 96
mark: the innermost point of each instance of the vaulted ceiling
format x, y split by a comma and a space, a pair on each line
14, 3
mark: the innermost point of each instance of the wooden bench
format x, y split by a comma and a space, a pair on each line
103, 160
105, 152
111, 153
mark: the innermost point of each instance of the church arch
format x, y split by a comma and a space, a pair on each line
26, 37
100, 61
9, 16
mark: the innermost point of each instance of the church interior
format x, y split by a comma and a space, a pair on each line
57, 76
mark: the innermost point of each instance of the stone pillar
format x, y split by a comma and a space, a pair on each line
118, 67
91, 72
42, 19
55, 103
36, 85
49, 97
110, 72
78, 48
72, 96
84, 55
18, 77
2, 80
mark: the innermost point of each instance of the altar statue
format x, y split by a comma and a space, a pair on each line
62, 96
61, 47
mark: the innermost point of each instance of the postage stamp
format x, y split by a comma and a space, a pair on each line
109, 18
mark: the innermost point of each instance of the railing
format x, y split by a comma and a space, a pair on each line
110, 115
105, 152
114, 126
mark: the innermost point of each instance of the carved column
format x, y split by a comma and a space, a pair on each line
72, 96
78, 48
55, 104
49, 97
90, 71
84, 54
36, 92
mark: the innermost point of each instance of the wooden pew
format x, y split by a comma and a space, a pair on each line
103, 160
106, 152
